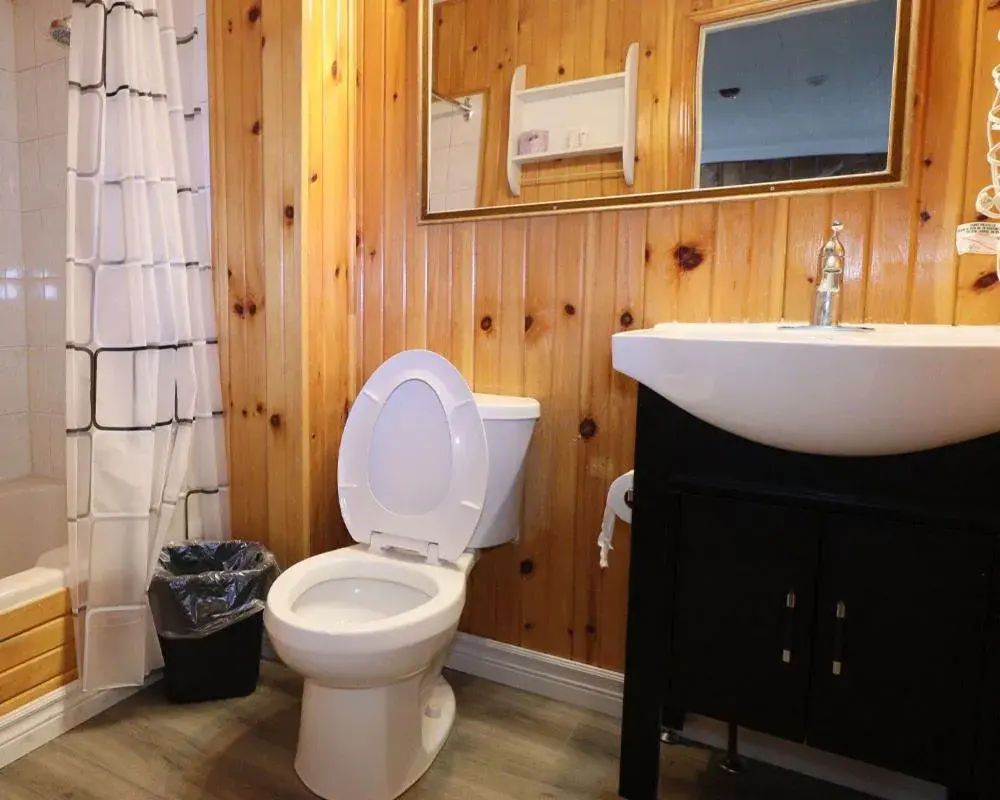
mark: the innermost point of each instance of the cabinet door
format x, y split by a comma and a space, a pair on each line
743, 609
899, 646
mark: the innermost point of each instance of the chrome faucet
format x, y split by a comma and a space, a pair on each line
829, 281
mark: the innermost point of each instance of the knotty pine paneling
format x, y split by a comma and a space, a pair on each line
479, 43
279, 148
528, 306
37, 650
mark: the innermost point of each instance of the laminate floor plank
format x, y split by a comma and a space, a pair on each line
506, 745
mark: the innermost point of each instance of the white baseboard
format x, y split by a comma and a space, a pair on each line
601, 690
559, 678
42, 720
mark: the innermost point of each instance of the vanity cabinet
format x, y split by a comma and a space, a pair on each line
849, 604
745, 575
898, 650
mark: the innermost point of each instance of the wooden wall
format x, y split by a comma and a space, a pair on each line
283, 231
528, 306
479, 43
37, 650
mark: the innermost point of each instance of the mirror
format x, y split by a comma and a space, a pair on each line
540, 105
783, 99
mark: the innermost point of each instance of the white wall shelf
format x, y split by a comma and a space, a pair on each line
603, 108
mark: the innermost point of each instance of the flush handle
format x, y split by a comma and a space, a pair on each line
788, 636
838, 639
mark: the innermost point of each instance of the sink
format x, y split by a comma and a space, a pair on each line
885, 390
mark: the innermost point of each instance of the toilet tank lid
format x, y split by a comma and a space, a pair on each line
499, 406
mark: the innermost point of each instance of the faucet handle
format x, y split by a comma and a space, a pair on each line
833, 249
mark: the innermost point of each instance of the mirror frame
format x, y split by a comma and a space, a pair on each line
901, 124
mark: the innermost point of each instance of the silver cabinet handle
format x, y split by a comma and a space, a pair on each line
838, 639
790, 601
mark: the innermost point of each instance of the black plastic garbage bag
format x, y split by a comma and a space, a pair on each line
200, 588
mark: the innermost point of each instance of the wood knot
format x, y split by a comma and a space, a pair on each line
275, 420
254, 13
688, 257
255, 130
570, 309
528, 322
238, 308
647, 254
475, 48
529, 626
243, 412
588, 428
591, 628
527, 566
649, 52
251, 308
928, 162
626, 319
289, 213
486, 323
986, 281
925, 216
335, 70
260, 408
313, 178
562, 70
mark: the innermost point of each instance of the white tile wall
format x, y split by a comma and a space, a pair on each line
456, 146
16, 438
7, 61
8, 101
33, 124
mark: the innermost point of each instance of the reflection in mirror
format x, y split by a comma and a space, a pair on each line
571, 103
803, 94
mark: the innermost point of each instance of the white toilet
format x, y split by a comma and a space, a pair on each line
428, 474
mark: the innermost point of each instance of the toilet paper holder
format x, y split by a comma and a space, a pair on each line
621, 496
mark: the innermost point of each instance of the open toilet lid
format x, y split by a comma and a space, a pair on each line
413, 460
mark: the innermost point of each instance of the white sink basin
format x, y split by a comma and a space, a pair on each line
894, 389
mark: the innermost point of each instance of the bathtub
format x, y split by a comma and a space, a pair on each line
33, 539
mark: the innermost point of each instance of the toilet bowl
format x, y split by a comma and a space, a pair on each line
428, 474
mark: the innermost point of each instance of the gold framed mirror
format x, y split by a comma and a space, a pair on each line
543, 106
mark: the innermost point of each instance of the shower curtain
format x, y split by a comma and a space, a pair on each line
145, 448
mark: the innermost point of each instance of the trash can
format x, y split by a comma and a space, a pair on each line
207, 600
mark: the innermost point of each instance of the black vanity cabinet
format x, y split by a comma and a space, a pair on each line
849, 604
745, 577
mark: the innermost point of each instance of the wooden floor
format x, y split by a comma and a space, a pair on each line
506, 745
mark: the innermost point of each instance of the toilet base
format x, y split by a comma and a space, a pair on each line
372, 744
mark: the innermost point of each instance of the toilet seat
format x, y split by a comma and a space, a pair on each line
443, 585
444, 529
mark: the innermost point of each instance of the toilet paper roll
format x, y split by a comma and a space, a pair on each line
617, 499
617, 505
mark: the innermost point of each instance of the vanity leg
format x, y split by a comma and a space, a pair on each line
655, 526
669, 736
671, 722
733, 763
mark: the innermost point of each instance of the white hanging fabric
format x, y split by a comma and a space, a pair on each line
145, 443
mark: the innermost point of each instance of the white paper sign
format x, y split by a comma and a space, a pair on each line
982, 238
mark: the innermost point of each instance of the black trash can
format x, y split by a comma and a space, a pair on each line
207, 600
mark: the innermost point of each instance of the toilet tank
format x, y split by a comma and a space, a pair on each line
509, 422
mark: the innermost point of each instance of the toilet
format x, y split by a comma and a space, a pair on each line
429, 474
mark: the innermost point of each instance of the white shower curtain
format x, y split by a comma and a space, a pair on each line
145, 447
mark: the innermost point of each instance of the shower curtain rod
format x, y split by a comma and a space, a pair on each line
464, 107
